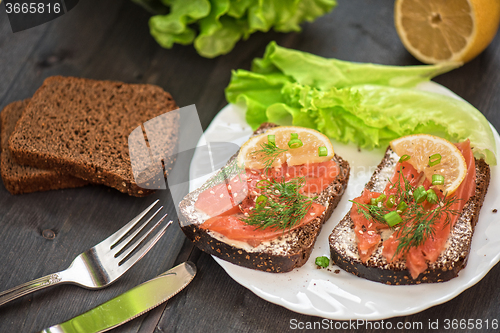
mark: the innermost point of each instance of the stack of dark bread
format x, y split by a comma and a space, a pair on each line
74, 131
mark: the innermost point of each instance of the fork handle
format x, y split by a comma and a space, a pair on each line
29, 287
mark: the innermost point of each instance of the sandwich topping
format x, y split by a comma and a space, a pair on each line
419, 204
437, 158
285, 144
280, 174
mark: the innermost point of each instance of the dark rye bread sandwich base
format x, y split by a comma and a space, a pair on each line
343, 244
17, 178
80, 127
277, 256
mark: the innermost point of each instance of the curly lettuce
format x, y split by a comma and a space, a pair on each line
367, 104
214, 26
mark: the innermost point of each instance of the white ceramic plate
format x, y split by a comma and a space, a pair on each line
343, 296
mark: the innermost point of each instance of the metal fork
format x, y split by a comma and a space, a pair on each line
100, 265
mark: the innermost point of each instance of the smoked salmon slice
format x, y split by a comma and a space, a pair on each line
234, 228
228, 203
223, 197
365, 229
417, 258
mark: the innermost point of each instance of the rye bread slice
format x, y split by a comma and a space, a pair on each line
81, 127
18, 178
277, 256
343, 244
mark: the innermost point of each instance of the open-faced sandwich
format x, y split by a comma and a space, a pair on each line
415, 219
265, 209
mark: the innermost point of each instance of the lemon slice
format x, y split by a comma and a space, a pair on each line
420, 148
250, 157
436, 31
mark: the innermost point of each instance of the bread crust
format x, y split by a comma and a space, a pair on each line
80, 127
344, 251
17, 178
297, 245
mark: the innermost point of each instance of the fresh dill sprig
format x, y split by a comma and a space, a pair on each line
374, 212
419, 223
270, 153
404, 194
284, 206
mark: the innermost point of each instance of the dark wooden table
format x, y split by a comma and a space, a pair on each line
41, 233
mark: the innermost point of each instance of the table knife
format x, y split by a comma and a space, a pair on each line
130, 304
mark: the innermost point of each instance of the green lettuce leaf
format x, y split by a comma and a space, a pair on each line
323, 73
173, 27
373, 115
286, 15
238, 8
218, 33
367, 104
306, 10
214, 26
257, 92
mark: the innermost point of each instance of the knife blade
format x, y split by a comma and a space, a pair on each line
130, 304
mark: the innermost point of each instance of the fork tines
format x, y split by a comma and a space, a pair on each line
117, 242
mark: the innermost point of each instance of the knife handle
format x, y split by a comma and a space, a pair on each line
29, 287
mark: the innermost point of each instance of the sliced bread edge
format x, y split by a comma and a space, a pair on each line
19, 179
299, 243
344, 251
100, 161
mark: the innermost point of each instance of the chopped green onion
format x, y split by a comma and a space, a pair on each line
263, 183
295, 143
261, 200
322, 151
391, 201
322, 261
380, 198
294, 136
373, 201
271, 139
420, 194
392, 218
432, 196
434, 159
404, 158
402, 206
437, 180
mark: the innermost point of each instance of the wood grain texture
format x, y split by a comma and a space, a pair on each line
110, 40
